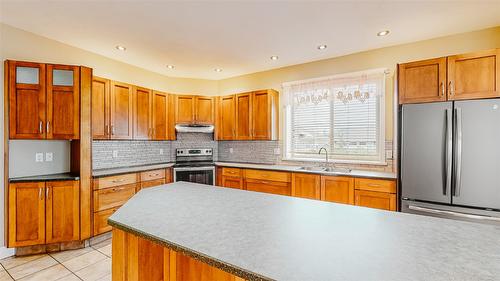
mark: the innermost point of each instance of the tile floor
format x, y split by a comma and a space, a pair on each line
87, 264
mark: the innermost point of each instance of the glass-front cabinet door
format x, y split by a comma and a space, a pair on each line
63, 102
26, 90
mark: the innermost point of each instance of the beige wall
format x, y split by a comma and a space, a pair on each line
17, 44
385, 57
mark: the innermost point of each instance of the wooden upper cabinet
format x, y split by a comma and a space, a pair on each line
184, 109
264, 115
27, 99
244, 116
474, 75
161, 130
306, 186
63, 102
121, 110
100, 108
422, 81
62, 211
26, 214
227, 118
143, 128
204, 110
337, 189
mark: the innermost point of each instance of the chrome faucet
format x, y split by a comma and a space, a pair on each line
326, 155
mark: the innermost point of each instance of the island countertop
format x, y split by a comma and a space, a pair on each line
261, 236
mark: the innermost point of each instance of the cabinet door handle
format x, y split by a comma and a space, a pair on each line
119, 180
48, 126
452, 92
40, 127
40, 193
112, 130
47, 192
442, 89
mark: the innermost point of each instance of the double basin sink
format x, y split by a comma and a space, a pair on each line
325, 169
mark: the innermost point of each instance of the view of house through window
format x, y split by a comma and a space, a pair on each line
343, 113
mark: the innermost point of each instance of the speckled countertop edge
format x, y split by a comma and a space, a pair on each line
295, 169
240, 272
131, 169
50, 177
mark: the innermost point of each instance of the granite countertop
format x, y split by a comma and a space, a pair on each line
131, 169
290, 168
52, 177
272, 237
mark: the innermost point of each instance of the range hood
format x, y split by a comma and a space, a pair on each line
194, 128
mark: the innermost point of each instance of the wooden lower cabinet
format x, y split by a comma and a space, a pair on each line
274, 187
62, 211
26, 214
306, 186
101, 221
337, 189
232, 182
153, 183
377, 200
43, 212
113, 197
136, 258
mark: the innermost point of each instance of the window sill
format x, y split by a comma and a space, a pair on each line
339, 161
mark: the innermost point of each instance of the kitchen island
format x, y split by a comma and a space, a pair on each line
186, 231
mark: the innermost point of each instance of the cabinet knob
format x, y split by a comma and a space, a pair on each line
40, 127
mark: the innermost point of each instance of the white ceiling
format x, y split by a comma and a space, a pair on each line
240, 37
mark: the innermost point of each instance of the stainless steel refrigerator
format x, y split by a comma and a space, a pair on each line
450, 160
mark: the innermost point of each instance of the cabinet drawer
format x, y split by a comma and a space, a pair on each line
268, 175
152, 183
101, 221
153, 175
274, 187
377, 200
232, 182
112, 197
375, 185
112, 181
231, 172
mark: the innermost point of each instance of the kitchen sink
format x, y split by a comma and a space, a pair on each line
325, 169
337, 170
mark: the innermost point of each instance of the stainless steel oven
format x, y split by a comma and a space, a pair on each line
195, 165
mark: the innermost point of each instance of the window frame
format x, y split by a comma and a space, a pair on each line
380, 159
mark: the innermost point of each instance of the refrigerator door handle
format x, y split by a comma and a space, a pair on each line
458, 148
449, 151
451, 213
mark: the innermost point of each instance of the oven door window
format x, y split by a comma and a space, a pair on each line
203, 177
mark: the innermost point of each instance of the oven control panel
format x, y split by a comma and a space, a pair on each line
193, 151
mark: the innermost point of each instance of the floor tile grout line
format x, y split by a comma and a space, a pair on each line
8, 273
71, 272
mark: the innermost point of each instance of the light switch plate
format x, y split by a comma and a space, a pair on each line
277, 151
49, 156
115, 153
231, 150
39, 157
161, 151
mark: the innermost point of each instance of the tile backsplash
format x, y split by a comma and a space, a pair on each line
262, 152
129, 153
132, 153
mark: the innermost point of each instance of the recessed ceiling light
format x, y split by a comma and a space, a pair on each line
120, 48
274, 57
170, 66
383, 33
218, 70
322, 47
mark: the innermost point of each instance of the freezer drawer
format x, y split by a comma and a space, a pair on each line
451, 212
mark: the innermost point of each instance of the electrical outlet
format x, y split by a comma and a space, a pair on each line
277, 151
388, 154
39, 157
115, 153
49, 156
161, 151
231, 150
